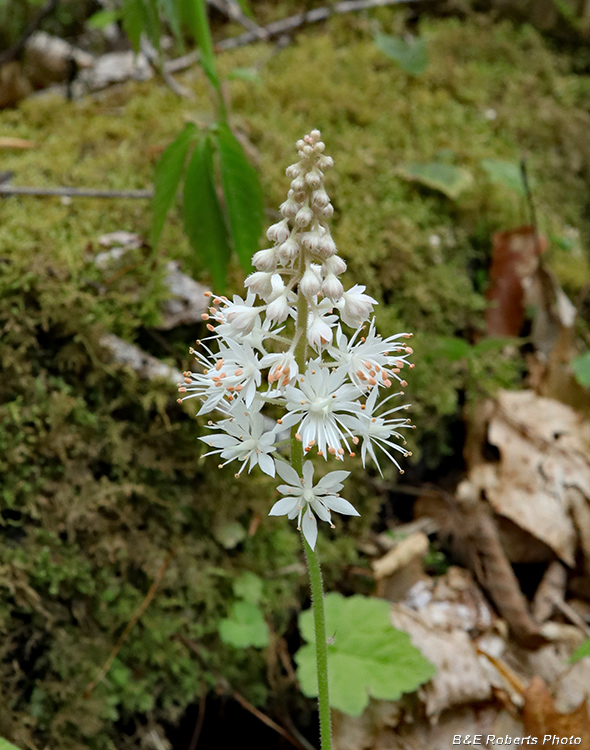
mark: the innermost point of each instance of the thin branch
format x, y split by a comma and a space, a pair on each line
19, 45
238, 697
285, 26
200, 721
130, 625
231, 8
67, 192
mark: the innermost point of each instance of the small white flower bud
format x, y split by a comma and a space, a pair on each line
288, 251
293, 171
259, 282
328, 212
308, 150
278, 309
334, 265
303, 217
319, 147
318, 331
298, 184
265, 260
309, 284
325, 162
315, 135
300, 144
289, 208
332, 288
310, 241
327, 246
320, 198
278, 232
313, 179
299, 195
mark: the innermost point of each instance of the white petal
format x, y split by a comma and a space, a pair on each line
308, 473
321, 510
288, 473
334, 477
340, 505
266, 464
309, 526
283, 506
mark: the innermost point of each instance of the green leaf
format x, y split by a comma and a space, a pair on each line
452, 348
246, 9
251, 75
246, 627
6, 745
152, 25
579, 653
248, 586
581, 368
506, 173
195, 15
367, 656
410, 54
243, 195
446, 178
203, 217
171, 12
133, 17
229, 535
98, 21
168, 173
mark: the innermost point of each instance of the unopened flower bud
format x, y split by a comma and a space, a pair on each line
300, 144
289, 208
327, 246
319, 147
320, 198
288, 251
278, 309
303, 217
325, 162
332, 288
309, 284
298, 185
310, 241
315, 135
313, 179
265, 260
293, 171
308, 150
278, 232
328, 211
334, 265
259, 283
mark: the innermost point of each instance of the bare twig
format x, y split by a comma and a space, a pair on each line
130, 625
571, 615
189, 643
67, 192
19, 45
200, 721
231, 8
285, 26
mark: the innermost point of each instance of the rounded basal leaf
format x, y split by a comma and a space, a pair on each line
246, 627
248, 586
410, 54
446, 178
367, 656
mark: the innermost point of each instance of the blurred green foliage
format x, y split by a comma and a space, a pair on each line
101, 473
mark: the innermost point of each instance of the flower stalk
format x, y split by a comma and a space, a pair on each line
291, 350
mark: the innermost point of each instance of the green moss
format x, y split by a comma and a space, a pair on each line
101, 473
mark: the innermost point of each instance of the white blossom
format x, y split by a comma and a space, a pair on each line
302, 500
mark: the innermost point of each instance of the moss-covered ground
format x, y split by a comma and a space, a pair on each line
101, 474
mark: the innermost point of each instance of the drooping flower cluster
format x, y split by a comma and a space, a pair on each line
283, 344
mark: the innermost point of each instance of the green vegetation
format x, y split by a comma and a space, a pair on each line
101, 473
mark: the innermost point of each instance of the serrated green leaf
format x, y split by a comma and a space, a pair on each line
367, 655
410, 54
203, 217
133, 18
248, 586
446, 178
579, 653
6, 745
243, 195
506, 173
246, 627
167, 178
581, 368
195, 16
98, 21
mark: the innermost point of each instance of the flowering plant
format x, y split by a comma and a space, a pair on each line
284, 345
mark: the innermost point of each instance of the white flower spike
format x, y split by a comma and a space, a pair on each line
283, 346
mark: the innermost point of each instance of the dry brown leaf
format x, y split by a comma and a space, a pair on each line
543, 447
515, 257
542, 719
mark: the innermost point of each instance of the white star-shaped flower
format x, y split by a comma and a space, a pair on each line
303, 500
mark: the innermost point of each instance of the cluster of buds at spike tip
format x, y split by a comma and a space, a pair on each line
329, 383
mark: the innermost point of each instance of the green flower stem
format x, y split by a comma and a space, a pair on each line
313, 563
